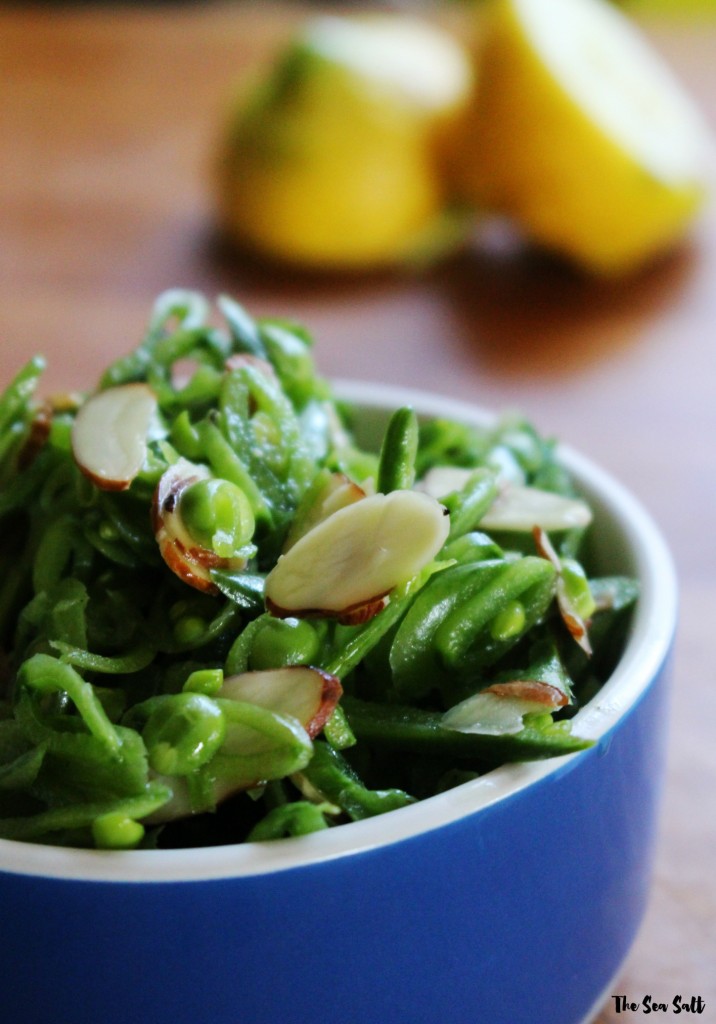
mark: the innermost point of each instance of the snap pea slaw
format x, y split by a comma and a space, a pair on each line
113, 722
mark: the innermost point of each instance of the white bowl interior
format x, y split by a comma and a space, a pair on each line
625, 540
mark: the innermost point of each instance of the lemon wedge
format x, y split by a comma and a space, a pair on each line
579, 132
332, 159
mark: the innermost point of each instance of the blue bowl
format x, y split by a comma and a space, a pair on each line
512, 899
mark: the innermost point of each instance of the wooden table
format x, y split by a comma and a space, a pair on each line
108, 118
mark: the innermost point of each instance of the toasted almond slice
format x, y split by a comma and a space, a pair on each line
300, 693
439, 481
109, 434
188, 560
304, 692
520, 509
176, 546
358, 555
517, 508
570, 614
302, 696
339, 492
499, 709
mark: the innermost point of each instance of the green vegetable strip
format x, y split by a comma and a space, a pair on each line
396, 468
53, 553
260, 745
14, 399
331, 775
244, 332
243, 588
417, 731
64, 819
11, 587
227, 465
288, 348
24, 487
296, 819
414, 666
362, 639
124, 664
468, 506
530, 579
338, 732
22, 772
47, 675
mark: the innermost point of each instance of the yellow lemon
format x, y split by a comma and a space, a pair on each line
332, 159
578, 131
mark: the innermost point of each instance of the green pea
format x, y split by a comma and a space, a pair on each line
457, 639
116, 831
107, 531
266, 430
183, 732
468, 505
337, 730
576, 585
205, 680
189, 629
280, 642
218, 515
296, 819
185, 436
509, 622
472, 547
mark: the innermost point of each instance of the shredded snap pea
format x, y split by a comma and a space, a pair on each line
152, 694
396, 468
418, 731
295, 819
468, 505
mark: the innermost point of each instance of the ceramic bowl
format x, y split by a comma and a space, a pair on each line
512, 899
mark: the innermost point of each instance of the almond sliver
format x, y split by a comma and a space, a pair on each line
109, 434
357, 555
500, 709
520, 509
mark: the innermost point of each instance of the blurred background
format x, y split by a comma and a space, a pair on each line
123, 172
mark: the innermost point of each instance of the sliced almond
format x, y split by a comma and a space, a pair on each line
499, 709
305, 693
570, 615
439, 481
300, 694
109, 434
338, 492
188, 560
517, 508
520, 509
350, 561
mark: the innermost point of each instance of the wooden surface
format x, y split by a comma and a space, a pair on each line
107, 121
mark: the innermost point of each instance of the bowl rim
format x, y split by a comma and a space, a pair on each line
646, 651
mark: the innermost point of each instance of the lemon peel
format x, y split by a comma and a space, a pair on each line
332, 160
579, 132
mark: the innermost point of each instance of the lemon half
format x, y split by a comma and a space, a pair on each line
580, 132
332, 161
